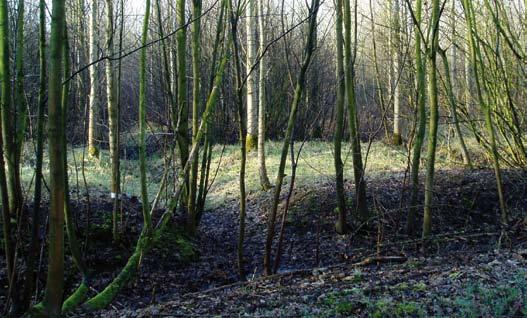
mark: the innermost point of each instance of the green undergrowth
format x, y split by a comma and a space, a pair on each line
315, 166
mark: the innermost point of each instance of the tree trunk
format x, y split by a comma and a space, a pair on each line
147, 220
182, 124
55, 279
252, 107
411, 222
434, 118
5, 85
196, 85
113, 119
93, 108
262, 168
395, 46
342, 226
349, 75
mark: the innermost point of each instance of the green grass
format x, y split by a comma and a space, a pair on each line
315, 166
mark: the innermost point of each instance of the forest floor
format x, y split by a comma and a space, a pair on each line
323, 274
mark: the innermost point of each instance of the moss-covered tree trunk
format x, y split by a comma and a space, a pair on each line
113, 119
349, 76
55, 278
342, 225
5, 86
411, 222
433, 95
182, 124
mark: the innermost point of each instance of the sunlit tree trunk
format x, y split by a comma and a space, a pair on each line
432, 50
396, 82
411, 222
55, 278
252, 106
349, 76
113, 118
93, 108
262, 168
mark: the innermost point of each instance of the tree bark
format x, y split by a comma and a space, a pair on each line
55, 279
93, 108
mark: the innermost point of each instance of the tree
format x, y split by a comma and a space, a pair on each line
411, 222
182, 118
263, 69
433, 95
349, 78
252, 106
396, 69
196, 85
113, 118
5, 106
93, 108
55, 279
342, 225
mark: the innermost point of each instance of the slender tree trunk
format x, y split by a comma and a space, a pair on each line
411, 222
20, 112
262, 168
142, 124
182, 124
55, 280
93, 109
434, 118
342, 226
113, 119
5, 86
252, 107
349, 75
299, 88
395, 37
196, 85
234, 19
